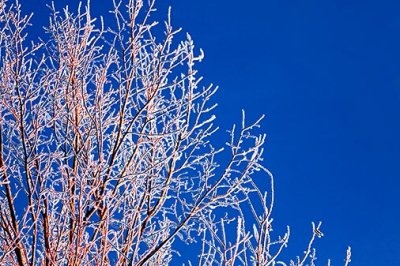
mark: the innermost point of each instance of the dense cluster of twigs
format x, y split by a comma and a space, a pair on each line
105, 152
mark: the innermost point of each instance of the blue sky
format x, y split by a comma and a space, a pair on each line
327, 76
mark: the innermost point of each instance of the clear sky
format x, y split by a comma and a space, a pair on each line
327, 76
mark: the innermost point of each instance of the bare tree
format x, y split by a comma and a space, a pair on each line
106, 155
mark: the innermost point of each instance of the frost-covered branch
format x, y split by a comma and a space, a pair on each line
106, 149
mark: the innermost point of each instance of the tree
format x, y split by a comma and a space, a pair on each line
106, 154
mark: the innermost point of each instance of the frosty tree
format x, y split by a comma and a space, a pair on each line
105, 152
